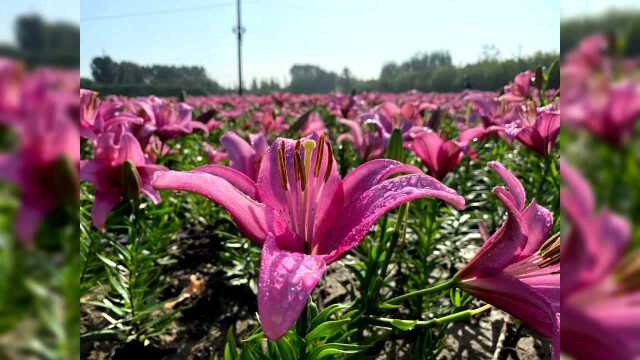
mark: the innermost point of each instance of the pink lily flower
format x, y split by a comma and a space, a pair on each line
314, 124
106, 172
439, 155
214, 156
89, 104
389, 116
471, 135
44, 167
245, 157
270, 124
615, 120
174, 119
369, 143
214, 124
600, 294
296, 210
11, 79
541, 135
518, 269
341, 105
521, 88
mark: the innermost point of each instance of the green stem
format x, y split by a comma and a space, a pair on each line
85, 263
301, 328
397, 234
462, 315
133, 239
545, 172
446, 285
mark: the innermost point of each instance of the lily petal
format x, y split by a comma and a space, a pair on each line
586, 338
368, 208
372, 173
518, 299
513, 184
594, 247
539, 222
9, 166
238, 179
286, 281
103, 203
27, 222
357, 135
501, 248
253, 219
577, 193
240, 153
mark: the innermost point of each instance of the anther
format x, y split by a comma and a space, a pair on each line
282, 167
550, 252
316, 171
301, 175
329, 161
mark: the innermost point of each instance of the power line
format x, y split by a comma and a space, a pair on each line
152, 13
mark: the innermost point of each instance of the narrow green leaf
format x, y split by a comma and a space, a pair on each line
230, 351
404, 325
326, 329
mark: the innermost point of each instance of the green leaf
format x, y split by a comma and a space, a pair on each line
230, 351
286, 349
331, 349
322, 316
404, 325
326, 329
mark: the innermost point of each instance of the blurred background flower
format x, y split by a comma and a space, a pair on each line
600, 85
39, 159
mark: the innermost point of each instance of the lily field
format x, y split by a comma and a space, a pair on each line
324, 226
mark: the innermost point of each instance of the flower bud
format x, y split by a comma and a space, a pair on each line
65, 179
130, 180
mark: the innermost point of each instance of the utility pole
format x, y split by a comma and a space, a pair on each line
239, 31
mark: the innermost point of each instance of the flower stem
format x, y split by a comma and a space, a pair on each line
301, 328
462, 315
445, 285
397, 235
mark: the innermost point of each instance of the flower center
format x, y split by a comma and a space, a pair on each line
304, 189
627, 273
549, 253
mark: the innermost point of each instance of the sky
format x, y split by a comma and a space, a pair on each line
360, 34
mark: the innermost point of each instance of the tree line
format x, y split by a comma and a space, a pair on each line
131, 79
624, 26
429, 71
38, 42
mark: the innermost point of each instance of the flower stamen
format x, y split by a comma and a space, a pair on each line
329, 162
550, 252
319, 157
282, 167
300, 175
